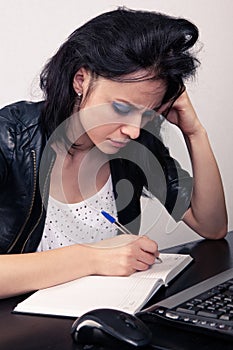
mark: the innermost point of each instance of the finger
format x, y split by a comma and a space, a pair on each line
148, 245
172, 103
140, 266
146, 258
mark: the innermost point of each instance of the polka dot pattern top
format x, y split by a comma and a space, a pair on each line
68, 224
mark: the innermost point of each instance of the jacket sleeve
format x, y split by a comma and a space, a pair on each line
165, 178
179, 186
3, 148
3, 168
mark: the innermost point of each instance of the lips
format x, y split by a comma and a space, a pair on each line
119, 143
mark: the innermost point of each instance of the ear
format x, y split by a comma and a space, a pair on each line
81, 80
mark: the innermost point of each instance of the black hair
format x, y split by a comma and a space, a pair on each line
113, 45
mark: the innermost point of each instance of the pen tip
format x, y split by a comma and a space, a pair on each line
108, 216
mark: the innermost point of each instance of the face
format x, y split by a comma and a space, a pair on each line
114, 112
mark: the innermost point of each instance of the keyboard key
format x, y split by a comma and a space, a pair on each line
207, 314
223, 310
207, 295
186, 310
225, 317
172, 315
211, 308
220, 304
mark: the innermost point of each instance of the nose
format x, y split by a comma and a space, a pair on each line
132, 126
132, 131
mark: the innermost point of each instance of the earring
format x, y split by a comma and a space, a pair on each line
78, 101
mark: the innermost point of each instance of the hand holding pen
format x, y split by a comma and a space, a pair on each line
121, 228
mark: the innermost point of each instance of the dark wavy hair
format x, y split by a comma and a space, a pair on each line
114, 44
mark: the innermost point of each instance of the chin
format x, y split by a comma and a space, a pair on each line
108, 149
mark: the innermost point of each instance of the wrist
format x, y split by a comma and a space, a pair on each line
197, 134
95, 260
86, 259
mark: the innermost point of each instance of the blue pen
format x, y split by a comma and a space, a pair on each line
115, 222
122, 228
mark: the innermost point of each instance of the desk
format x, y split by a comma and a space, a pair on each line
30, 332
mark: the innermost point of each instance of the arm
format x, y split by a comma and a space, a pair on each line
21, 273
3, 168
207, 214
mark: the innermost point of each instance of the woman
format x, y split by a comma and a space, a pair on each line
94, 145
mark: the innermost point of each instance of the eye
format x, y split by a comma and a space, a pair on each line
122, 108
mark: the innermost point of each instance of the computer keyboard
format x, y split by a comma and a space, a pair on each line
206, 307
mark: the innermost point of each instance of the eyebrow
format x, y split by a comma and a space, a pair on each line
142, 107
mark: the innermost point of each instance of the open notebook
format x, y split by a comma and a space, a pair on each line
128, 294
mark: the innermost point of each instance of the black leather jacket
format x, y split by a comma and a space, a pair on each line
22, 214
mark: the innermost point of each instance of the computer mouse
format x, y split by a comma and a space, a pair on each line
108, 327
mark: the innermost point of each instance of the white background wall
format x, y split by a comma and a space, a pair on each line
32, 30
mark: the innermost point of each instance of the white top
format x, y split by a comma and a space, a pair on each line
68, 224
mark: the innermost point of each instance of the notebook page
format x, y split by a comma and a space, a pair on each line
80, 296
172, 264
124, 293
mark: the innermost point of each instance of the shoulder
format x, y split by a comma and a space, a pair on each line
20, 128
22, 113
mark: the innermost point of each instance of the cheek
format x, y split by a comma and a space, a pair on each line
100, 133
100, 137
96, 116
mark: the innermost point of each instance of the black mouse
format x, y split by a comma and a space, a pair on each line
109, 327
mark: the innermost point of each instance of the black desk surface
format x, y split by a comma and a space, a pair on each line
30, 332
